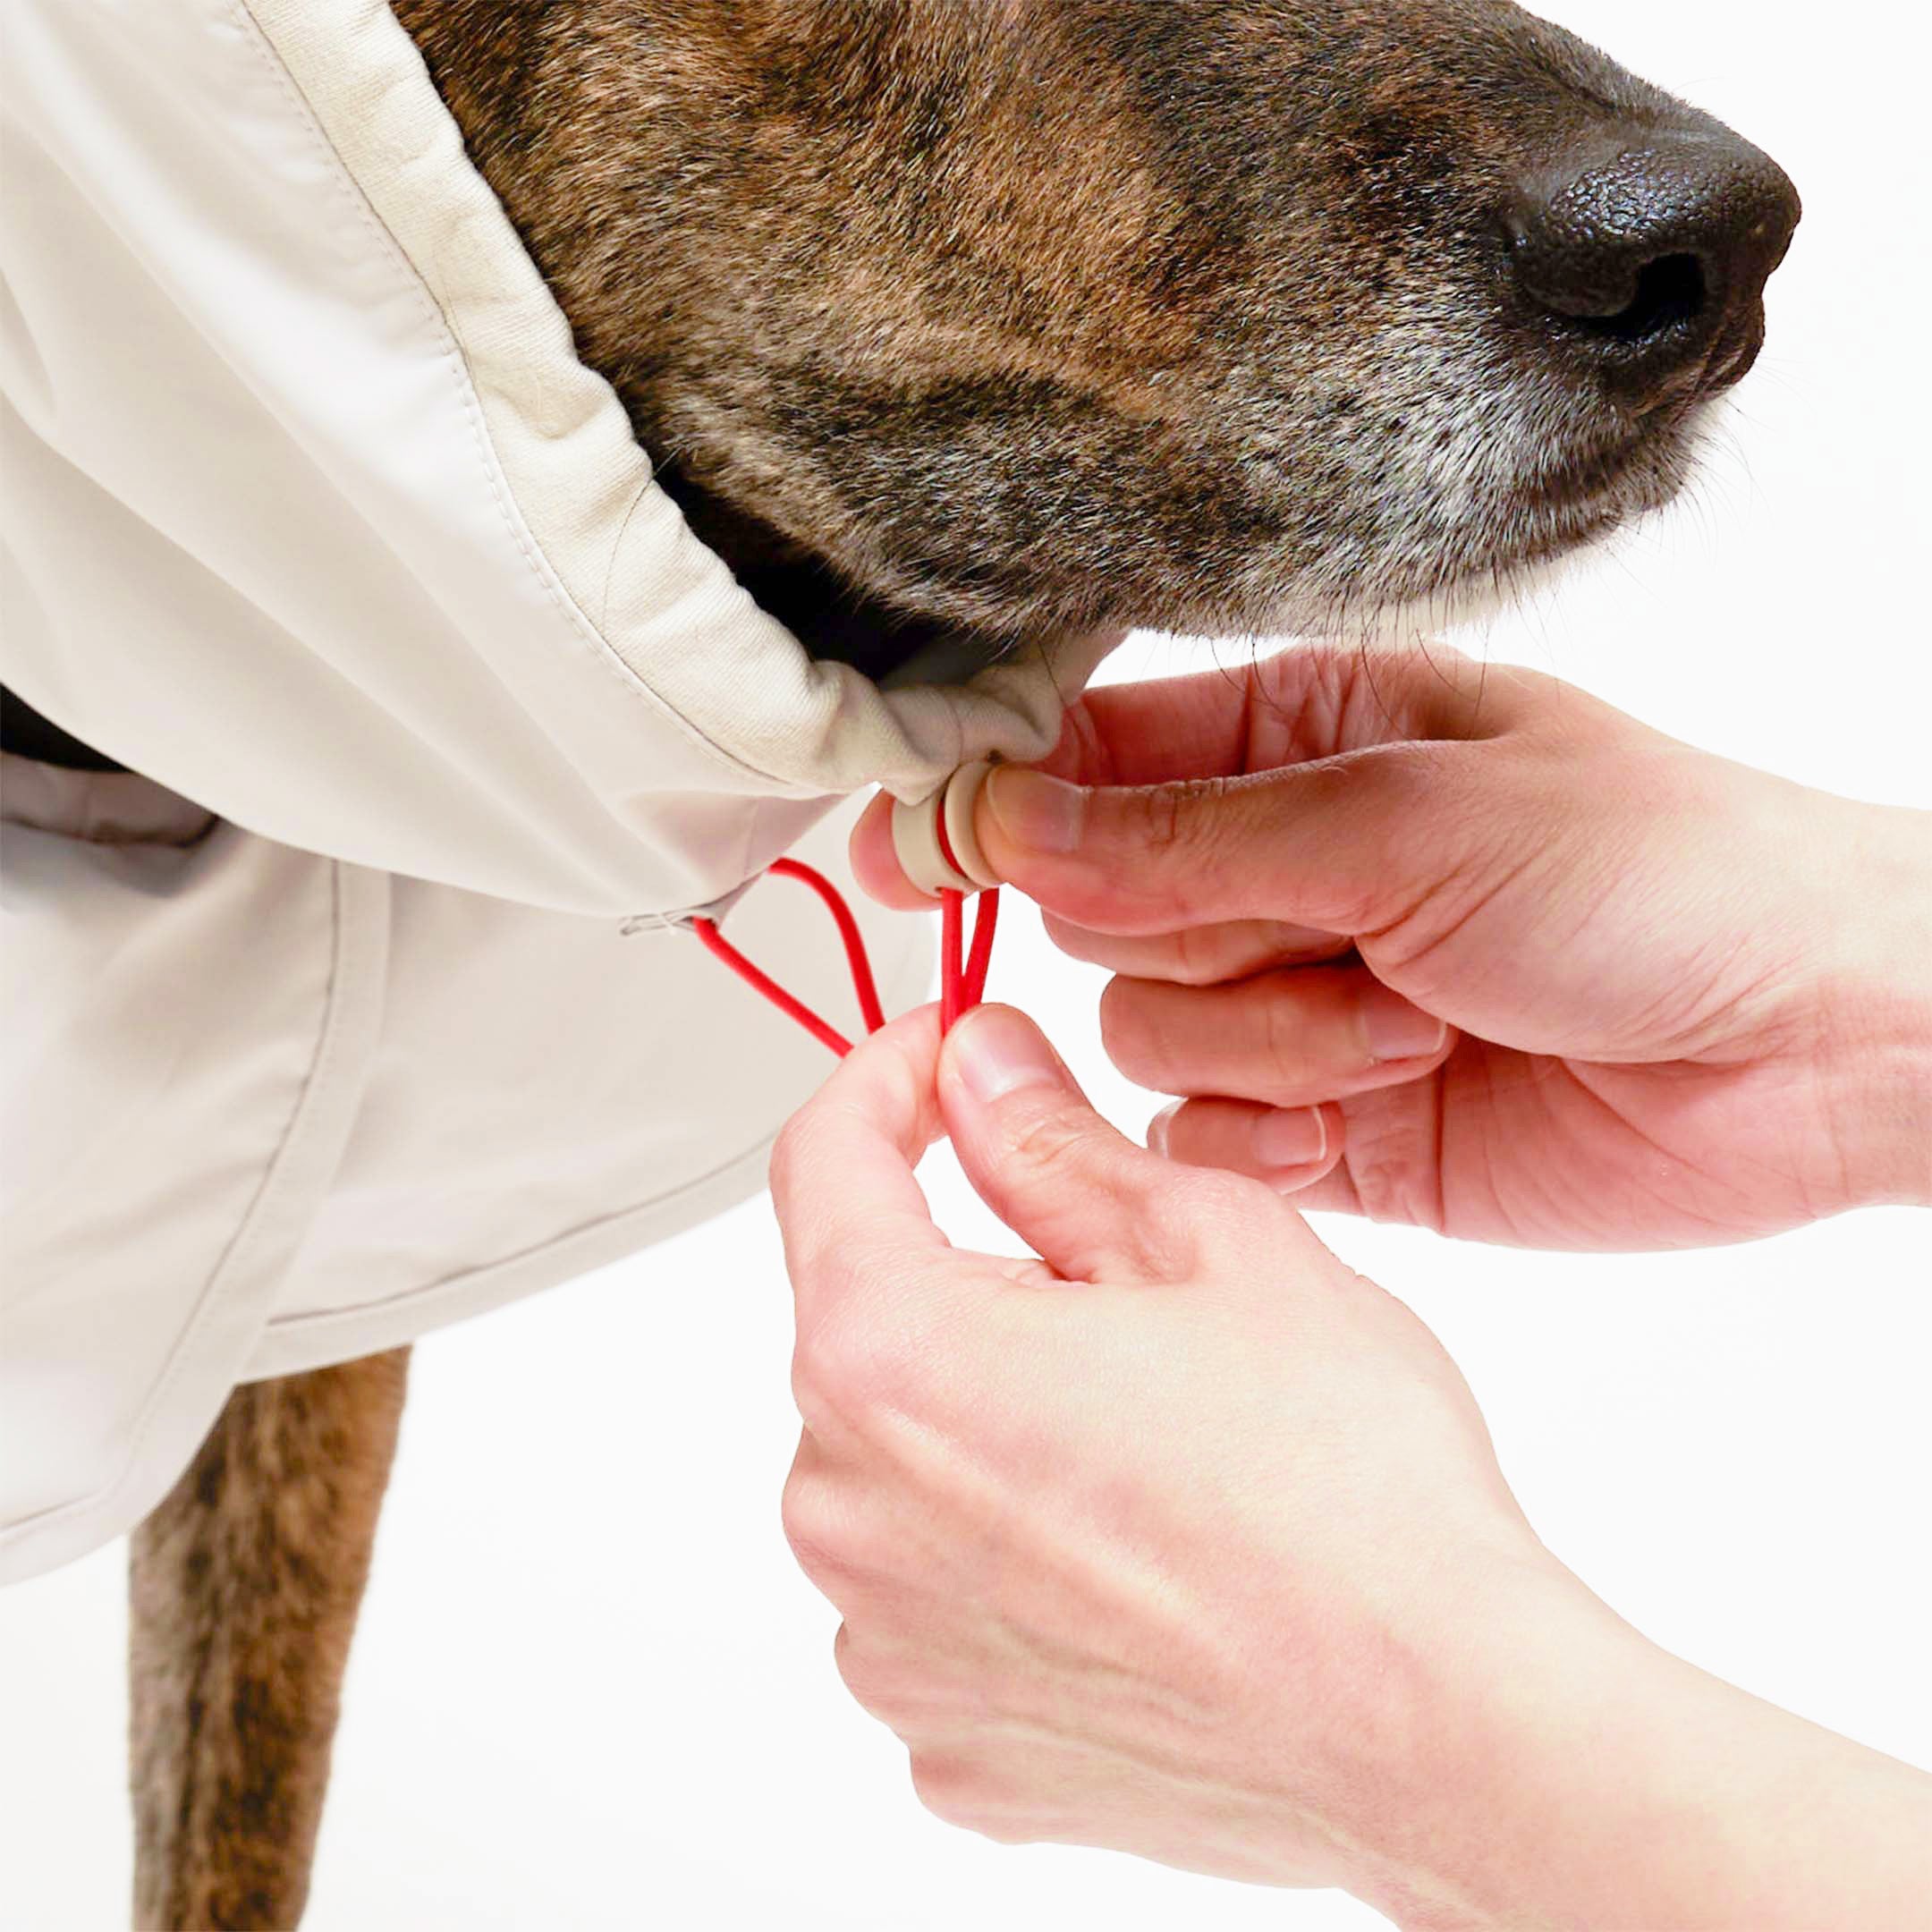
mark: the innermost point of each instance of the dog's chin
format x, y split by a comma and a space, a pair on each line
1473, 603
1498, 556
897, 650
1556, 519
1513, 575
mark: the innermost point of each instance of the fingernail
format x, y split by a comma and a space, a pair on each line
1156, 1128
1397, 1031
1291, 1136
998, 1052
1034, 810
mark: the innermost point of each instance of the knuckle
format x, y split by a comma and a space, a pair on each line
788, 1153
1283, 1039
814, 1526
961, 1791
1003, 1828
1201, 955
850, 1664
818, 1370
1173, 820
832, 1377
1184, 839
950, 1787
829, 1384
1392, 1162
874, 1685
1164, 820
856, 1359
1050, 1144
1218, 954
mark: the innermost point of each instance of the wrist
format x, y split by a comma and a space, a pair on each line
1876, 1009
1569, 1773
1449, 1836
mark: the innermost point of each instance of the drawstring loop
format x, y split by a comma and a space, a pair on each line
961, 978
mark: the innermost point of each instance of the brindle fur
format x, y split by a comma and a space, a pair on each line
243, 1592
1023, 315
948, 317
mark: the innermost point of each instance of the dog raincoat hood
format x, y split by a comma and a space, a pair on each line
332, 1017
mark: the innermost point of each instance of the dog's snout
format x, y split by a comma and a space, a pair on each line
1651, 255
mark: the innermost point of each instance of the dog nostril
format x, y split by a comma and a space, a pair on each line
1653, 252
1668, 292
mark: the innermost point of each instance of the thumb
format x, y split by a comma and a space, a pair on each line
1089, 1202
1345, 844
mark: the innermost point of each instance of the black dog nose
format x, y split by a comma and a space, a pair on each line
1653, 254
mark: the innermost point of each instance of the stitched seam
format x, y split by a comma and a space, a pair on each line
344, 185
319, 1320
274, 1183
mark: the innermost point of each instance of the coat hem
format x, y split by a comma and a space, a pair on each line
300, 1343
295, 1344
198, 1371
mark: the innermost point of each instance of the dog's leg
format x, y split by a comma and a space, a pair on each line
243, 1592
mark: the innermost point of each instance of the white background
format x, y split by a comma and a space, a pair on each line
591, 1690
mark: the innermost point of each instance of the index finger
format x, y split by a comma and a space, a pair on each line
842, 1179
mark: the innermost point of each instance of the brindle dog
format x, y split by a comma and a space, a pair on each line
977, 318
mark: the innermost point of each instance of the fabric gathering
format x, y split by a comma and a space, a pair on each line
356, 1001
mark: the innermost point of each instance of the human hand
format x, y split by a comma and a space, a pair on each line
1145, 1542
1183, 1540
1460, 945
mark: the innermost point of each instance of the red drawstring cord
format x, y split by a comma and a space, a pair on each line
963, 984
864, 983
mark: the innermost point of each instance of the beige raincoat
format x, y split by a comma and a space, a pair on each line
339, 1020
